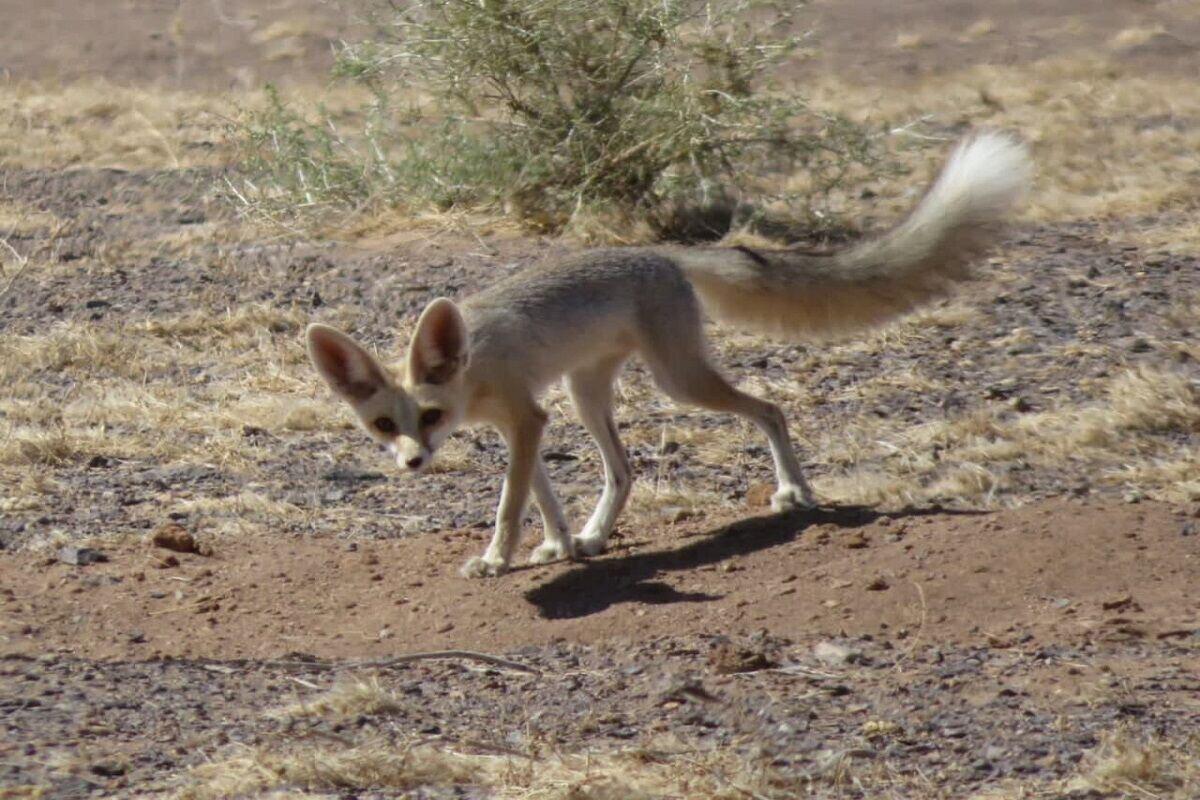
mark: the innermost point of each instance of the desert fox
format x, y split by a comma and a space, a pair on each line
488, 359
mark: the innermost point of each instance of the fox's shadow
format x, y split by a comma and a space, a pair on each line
592, 586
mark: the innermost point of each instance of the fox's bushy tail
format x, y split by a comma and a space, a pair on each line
799, 294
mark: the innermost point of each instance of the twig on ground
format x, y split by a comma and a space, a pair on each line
920, 626
197, 604
411, 657
21, 261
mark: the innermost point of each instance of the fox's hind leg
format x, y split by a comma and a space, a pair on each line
591, 392
677, 358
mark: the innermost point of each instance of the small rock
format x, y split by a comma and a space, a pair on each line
759, 495
1140, 346
855, 541
879, 728
674, 514
878, 584
1021, 405
173, 536
1000, 389
108, 769
728, 660
80, 556
685, 689
1118, 602
344, 475
836, 654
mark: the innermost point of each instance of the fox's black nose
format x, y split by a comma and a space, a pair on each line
415, 462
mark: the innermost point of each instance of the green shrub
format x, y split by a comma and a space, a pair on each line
555, 109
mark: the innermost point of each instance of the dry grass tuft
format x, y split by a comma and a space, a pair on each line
71, 349
1114, 436
1135, 36
1151, 400
1133, 767
316, 769
978, 29
634, 774
347, 699
374, 764
97, 124
287, 28
652, 499
1107, 142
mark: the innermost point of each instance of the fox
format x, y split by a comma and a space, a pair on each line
487, 359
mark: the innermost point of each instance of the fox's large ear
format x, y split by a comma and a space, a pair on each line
440, 346
349, 370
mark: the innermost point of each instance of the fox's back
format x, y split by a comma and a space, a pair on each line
554, 315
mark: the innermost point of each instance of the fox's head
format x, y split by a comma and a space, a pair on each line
411, 416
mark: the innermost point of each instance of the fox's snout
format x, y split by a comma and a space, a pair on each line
412, 459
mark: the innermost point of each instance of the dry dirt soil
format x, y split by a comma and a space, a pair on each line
1025, 628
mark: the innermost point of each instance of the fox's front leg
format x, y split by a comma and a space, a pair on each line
523, 436
557, 543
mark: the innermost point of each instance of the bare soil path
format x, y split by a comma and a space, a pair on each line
1061, 571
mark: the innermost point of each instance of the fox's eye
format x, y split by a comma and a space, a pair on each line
385, 425
430, 417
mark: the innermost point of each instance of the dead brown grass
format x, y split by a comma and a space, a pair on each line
1105, 139
1132, 766
1105, 439
363, 696
123, 398
1124, 765
97, 124
633, 774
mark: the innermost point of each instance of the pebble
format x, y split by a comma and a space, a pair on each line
80, 556
835, 653
855, 541
173, 536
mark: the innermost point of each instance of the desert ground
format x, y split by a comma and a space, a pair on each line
997, 598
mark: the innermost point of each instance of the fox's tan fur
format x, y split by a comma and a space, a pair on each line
581, 319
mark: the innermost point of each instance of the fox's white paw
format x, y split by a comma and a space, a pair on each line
589, 544
481, 567
547, 552
790, 497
